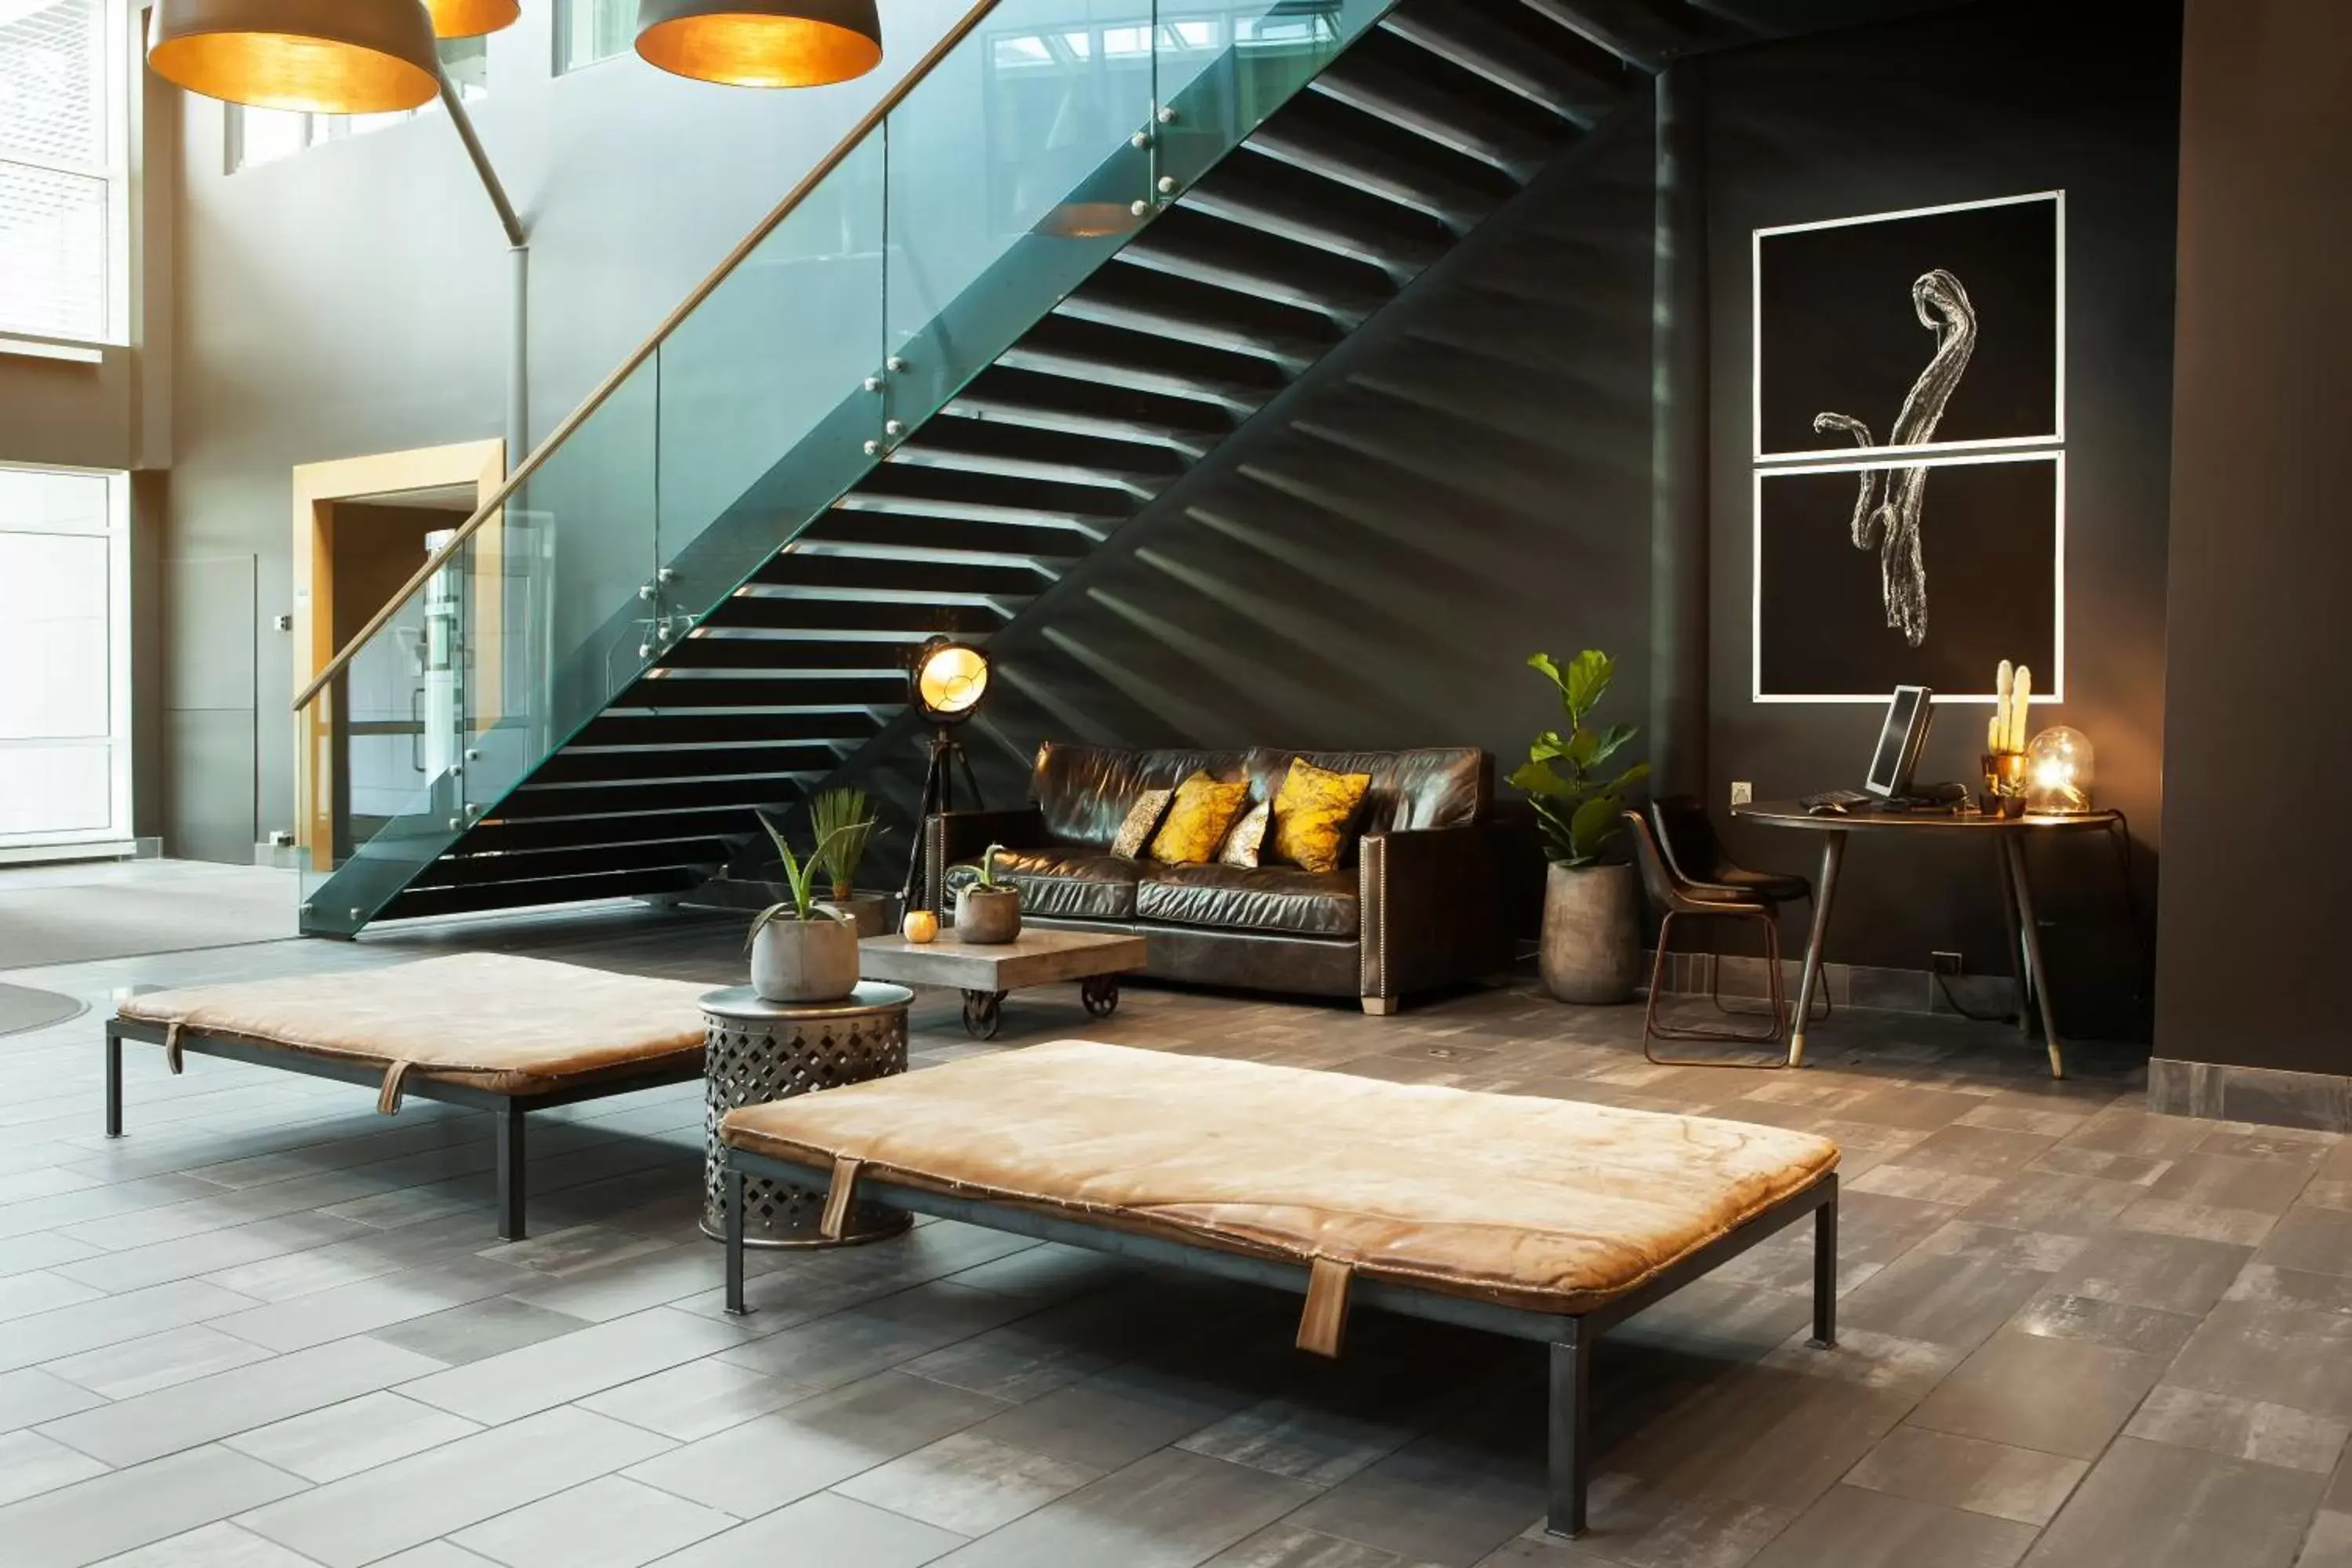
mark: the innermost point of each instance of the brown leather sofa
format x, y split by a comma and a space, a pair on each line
1419, 903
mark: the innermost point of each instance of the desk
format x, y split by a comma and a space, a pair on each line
2005, 835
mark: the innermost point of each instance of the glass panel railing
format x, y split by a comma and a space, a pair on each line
1028, 153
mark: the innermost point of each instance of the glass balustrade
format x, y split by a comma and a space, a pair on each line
1025, 158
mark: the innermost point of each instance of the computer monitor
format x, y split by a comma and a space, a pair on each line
1908, 713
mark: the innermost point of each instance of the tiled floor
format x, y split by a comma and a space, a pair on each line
270, 1327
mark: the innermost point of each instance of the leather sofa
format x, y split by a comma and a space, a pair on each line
1420, 901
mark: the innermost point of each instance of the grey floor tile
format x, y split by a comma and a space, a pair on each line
2147, 1505
2274, 1355
544, 1375
362, 1518
113, 1514
2060, 1316
433, 1555
2265, 1185
676, 1273
1169, 1510
69, 1331
220, 1545
208, 1408
967, 1484
898, 1328
1639, 1525
31, 1396
609, 1522
1286, 1545
1855, 1528
2059, 1205
1876, 1360
158, 1360
2259, 1283
575, 1249
40, 1291
2170, 1273
1117, 1417
2062, 1396
806, 1447
695, 1400
371, 1304
31, 1464
42, 1249
1755, 1434
2019, 1484
2030, 1251
479, 1329
211, 1251
2170, 1217
827, 1531
1942, 1299
2315, 1240
2240, 1428
353, 1436
2330, 1544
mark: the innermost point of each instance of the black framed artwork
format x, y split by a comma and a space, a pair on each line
1909, 425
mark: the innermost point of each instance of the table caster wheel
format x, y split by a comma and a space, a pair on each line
982, 1011
1100, 993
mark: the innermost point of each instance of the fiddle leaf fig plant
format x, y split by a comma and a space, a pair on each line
800, 876
1576, 800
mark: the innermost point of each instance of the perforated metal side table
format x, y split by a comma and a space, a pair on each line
758, 1050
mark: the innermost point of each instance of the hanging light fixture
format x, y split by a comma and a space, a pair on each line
471, 18
327, 57
761, 43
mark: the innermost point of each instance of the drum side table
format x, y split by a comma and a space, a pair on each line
758, 1050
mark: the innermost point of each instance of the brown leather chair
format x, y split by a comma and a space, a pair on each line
1694, 855
1679, 899
1421, 900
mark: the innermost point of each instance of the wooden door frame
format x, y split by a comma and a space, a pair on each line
316, 487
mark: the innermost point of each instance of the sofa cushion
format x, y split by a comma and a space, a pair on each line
1550, 1205
1085, 793
1062, 879
1204, 811
1436, 786
1315, 814
1267, 898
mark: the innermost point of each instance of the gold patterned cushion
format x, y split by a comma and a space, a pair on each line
1247, 838
1198, 819
1312, 813
1141, 818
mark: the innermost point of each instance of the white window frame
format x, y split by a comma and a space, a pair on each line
118, 828
115, 84
559, 32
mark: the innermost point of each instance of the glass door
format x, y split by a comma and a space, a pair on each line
65, 698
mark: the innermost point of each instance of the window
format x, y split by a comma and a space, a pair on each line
587, 31
62, 218
265, 135
65, 707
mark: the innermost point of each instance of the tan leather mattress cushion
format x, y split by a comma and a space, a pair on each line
512, 1026
1551, 1204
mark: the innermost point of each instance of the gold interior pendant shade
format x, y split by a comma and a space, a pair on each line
328, 57
471, 18
761, 43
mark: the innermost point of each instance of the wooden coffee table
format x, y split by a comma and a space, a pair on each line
984, 971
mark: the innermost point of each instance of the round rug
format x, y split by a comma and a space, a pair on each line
22, 1008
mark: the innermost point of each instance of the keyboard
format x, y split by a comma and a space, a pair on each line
1844, 799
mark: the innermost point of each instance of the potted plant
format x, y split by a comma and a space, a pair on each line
844, 823
1592, 950
801, 951
988, 909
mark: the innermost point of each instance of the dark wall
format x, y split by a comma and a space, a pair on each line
2260, 555
1989, 100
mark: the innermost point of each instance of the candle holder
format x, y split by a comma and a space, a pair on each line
2058, 773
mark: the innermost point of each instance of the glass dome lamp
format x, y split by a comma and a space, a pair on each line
2058, 773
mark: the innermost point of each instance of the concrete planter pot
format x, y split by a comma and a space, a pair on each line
985, 916
805, 961
1591, 951
873, 914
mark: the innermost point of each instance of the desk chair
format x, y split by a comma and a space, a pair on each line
1695, 854
1679, 899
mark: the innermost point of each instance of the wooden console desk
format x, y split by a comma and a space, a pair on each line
2005, 835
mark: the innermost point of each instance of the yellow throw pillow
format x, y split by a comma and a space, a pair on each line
1198, 819
1312, 813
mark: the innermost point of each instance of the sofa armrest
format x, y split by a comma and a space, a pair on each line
1432, 908
955, 835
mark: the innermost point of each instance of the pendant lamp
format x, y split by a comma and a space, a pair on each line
328, 57
471, 18
761, 43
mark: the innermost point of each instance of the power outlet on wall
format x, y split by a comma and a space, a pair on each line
1945, 962
1742, 791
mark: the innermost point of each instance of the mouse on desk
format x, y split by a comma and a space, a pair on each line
1827, 808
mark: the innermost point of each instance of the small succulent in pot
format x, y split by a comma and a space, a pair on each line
988, 909
800, 952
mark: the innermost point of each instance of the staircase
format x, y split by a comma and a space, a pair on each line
1288, 189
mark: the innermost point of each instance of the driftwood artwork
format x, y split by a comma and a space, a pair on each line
1887, 511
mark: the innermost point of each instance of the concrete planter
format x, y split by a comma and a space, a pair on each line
805, 961
873, 914
1591, 934
982, 916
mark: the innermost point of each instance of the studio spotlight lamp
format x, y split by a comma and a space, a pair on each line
945, 683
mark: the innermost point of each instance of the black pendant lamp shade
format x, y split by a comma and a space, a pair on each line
761, 43
328, 57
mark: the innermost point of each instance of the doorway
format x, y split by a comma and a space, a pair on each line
362, 526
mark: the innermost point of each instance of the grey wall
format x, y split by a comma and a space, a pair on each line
1991, 100
2260, 558
353, 300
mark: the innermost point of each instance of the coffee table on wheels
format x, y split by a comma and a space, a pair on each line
984, 971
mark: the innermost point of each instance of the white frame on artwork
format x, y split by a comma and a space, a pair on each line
1828, 457
2056, 455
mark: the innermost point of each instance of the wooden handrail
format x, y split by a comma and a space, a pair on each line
627, 367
